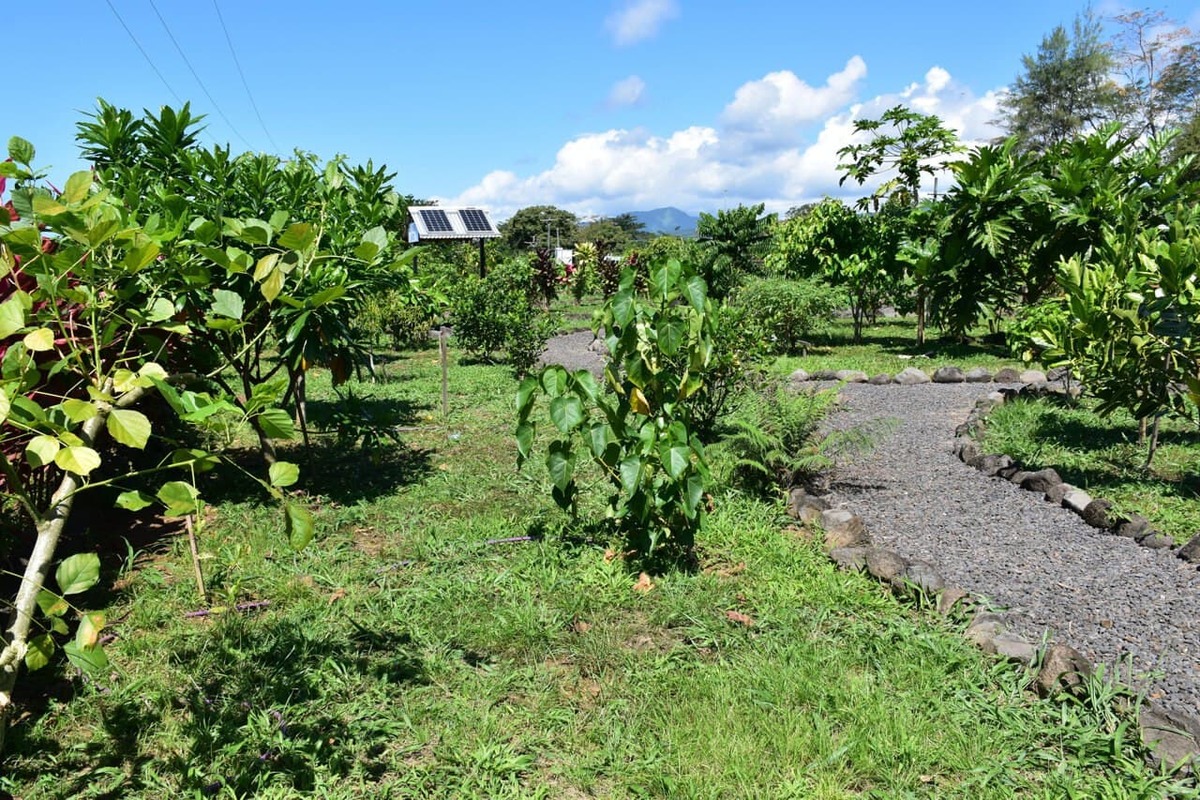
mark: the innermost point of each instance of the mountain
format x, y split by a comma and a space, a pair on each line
668, 220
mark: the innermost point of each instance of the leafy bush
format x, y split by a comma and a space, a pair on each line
497, 314
641, 434
785, 312
584, 274
392, 315
1026, 334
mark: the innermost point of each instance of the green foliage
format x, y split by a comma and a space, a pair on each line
1032, 326
392, 316
903, 140
584, 272
496, 314
774, 437
736, 241
640, 433
539, 226
1065, 88
783, 312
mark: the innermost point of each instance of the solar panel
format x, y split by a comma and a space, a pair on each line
436, 220
475, 220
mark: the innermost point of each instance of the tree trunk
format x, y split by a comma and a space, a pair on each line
920, 315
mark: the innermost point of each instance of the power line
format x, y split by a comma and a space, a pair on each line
242, 74
192, 69
142, 50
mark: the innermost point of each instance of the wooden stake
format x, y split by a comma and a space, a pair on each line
445, 372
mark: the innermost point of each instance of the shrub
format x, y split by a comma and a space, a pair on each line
1026, 334
391, 315
785, 312
497, 314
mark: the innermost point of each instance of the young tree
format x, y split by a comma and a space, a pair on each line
736, 239
1065, 89
911, 143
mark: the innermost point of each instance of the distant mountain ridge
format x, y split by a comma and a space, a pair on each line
669, 220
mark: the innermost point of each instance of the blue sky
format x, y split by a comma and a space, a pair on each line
598, 106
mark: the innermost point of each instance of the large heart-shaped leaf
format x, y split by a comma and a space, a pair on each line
298, 523
675, 460
89, 659
130, 428
560, 462
227, 304
566, 412
283, 473
180, 498
40, 649
77, 459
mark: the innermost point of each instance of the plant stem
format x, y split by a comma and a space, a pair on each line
191, 532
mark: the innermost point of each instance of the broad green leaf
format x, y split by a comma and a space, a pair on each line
554, 380
566, 412
78, 459
525, 395
283, 473
79, 410
622, 307
40, 651
695, 291
277, 424
227, 304
560, 462
198, 460
153, 371
631, 473
5, 406
160, 310
671, 334
130, 428
124, 380
180, 498
272, 286
525, 433
51, 604
675, 460
89, 659
637, 401
298, 236
78, 573
90, 625
256, 231
278, 219
134, 501
21, 151
586, 381
298, 523
266, 265
41, 450
376, 236
12, 317
40, 341
598, 437
693, 495
138, 257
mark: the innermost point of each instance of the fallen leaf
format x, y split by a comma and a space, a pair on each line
579, 626
609, 555
740, 618
338, 594
644, 584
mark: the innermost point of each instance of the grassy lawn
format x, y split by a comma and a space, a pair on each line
409, 653
1102, 455
890, 346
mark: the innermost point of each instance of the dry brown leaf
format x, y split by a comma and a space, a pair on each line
609, 555
644, 584
579, 626
337, 594
740, 618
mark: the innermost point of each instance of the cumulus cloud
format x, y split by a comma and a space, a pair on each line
640, 19
744, 158
626, 92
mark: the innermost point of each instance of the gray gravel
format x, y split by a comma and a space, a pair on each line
1134, 609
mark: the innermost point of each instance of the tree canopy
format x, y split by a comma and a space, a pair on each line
528, 227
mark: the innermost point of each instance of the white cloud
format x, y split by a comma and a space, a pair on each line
626, 92
745, 159
640, 19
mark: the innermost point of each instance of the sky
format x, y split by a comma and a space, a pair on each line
596, 106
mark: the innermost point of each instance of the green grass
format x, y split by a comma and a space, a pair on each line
402, 655
1103, 456
890, 346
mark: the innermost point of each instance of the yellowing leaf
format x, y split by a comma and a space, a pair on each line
643, 584
79, 410
5, 405
89, 629
77, 186
40, 341
637, 402
12, 317
152, 370
124, 381
40, 649
265, 266
272, 286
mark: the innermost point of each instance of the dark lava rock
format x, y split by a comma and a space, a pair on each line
1007, 375
1135, 527
1190, 552
850, 559
1063, 669
1041, 480
948, 375
910, 376
886, 565
882, 379
1096, 513
979, 375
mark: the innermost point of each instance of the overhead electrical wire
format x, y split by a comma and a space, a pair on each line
142, 50
192, 69
242, 74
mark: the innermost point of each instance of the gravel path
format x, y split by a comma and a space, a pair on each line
1134, 609
1117, 603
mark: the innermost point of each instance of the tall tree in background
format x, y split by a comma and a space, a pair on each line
1066, 88
530, 226
1160, 61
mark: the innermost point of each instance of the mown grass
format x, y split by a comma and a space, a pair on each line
1103, 456
890, 346
408, 653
